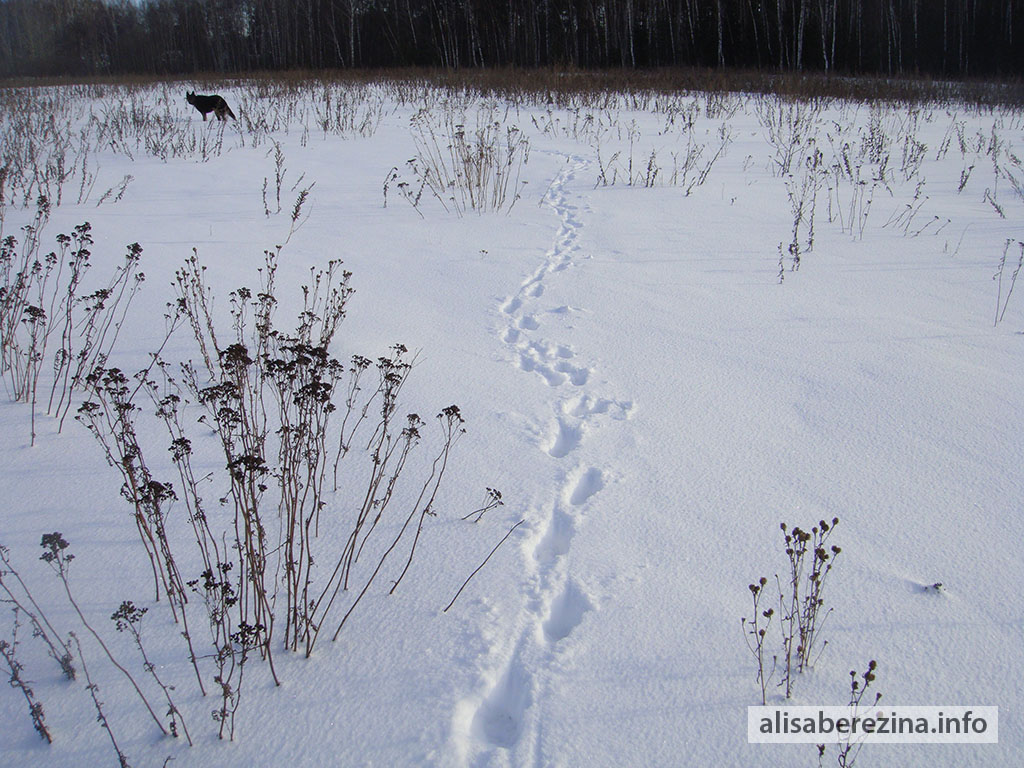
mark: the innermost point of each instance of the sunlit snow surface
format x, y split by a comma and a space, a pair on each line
639, 379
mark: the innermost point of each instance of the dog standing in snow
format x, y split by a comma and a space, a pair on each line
207, 104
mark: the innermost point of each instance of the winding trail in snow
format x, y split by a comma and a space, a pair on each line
502, 722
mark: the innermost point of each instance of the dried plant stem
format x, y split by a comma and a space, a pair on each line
54, 544
60, 651
479, 567
129, 618
754, 629
35, 708
101, 717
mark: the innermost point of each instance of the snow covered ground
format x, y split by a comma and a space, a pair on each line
646, 376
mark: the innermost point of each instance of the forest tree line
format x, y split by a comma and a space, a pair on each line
947, 38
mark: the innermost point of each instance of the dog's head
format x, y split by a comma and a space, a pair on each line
190, 97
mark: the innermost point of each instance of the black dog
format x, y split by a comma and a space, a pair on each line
206, 104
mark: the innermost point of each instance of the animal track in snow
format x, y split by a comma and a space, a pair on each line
548, 360
512, 306
529, 362
585, 405
537, 357
565, 437
528, 323
499, 718
508, 714
566, 612
550, 352
578, 376
557, 537
586, 485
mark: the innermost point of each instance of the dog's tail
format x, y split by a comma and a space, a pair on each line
229, 111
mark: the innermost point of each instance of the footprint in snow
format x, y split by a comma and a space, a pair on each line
567, 612
586, 485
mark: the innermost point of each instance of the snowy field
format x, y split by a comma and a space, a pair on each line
670, 323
